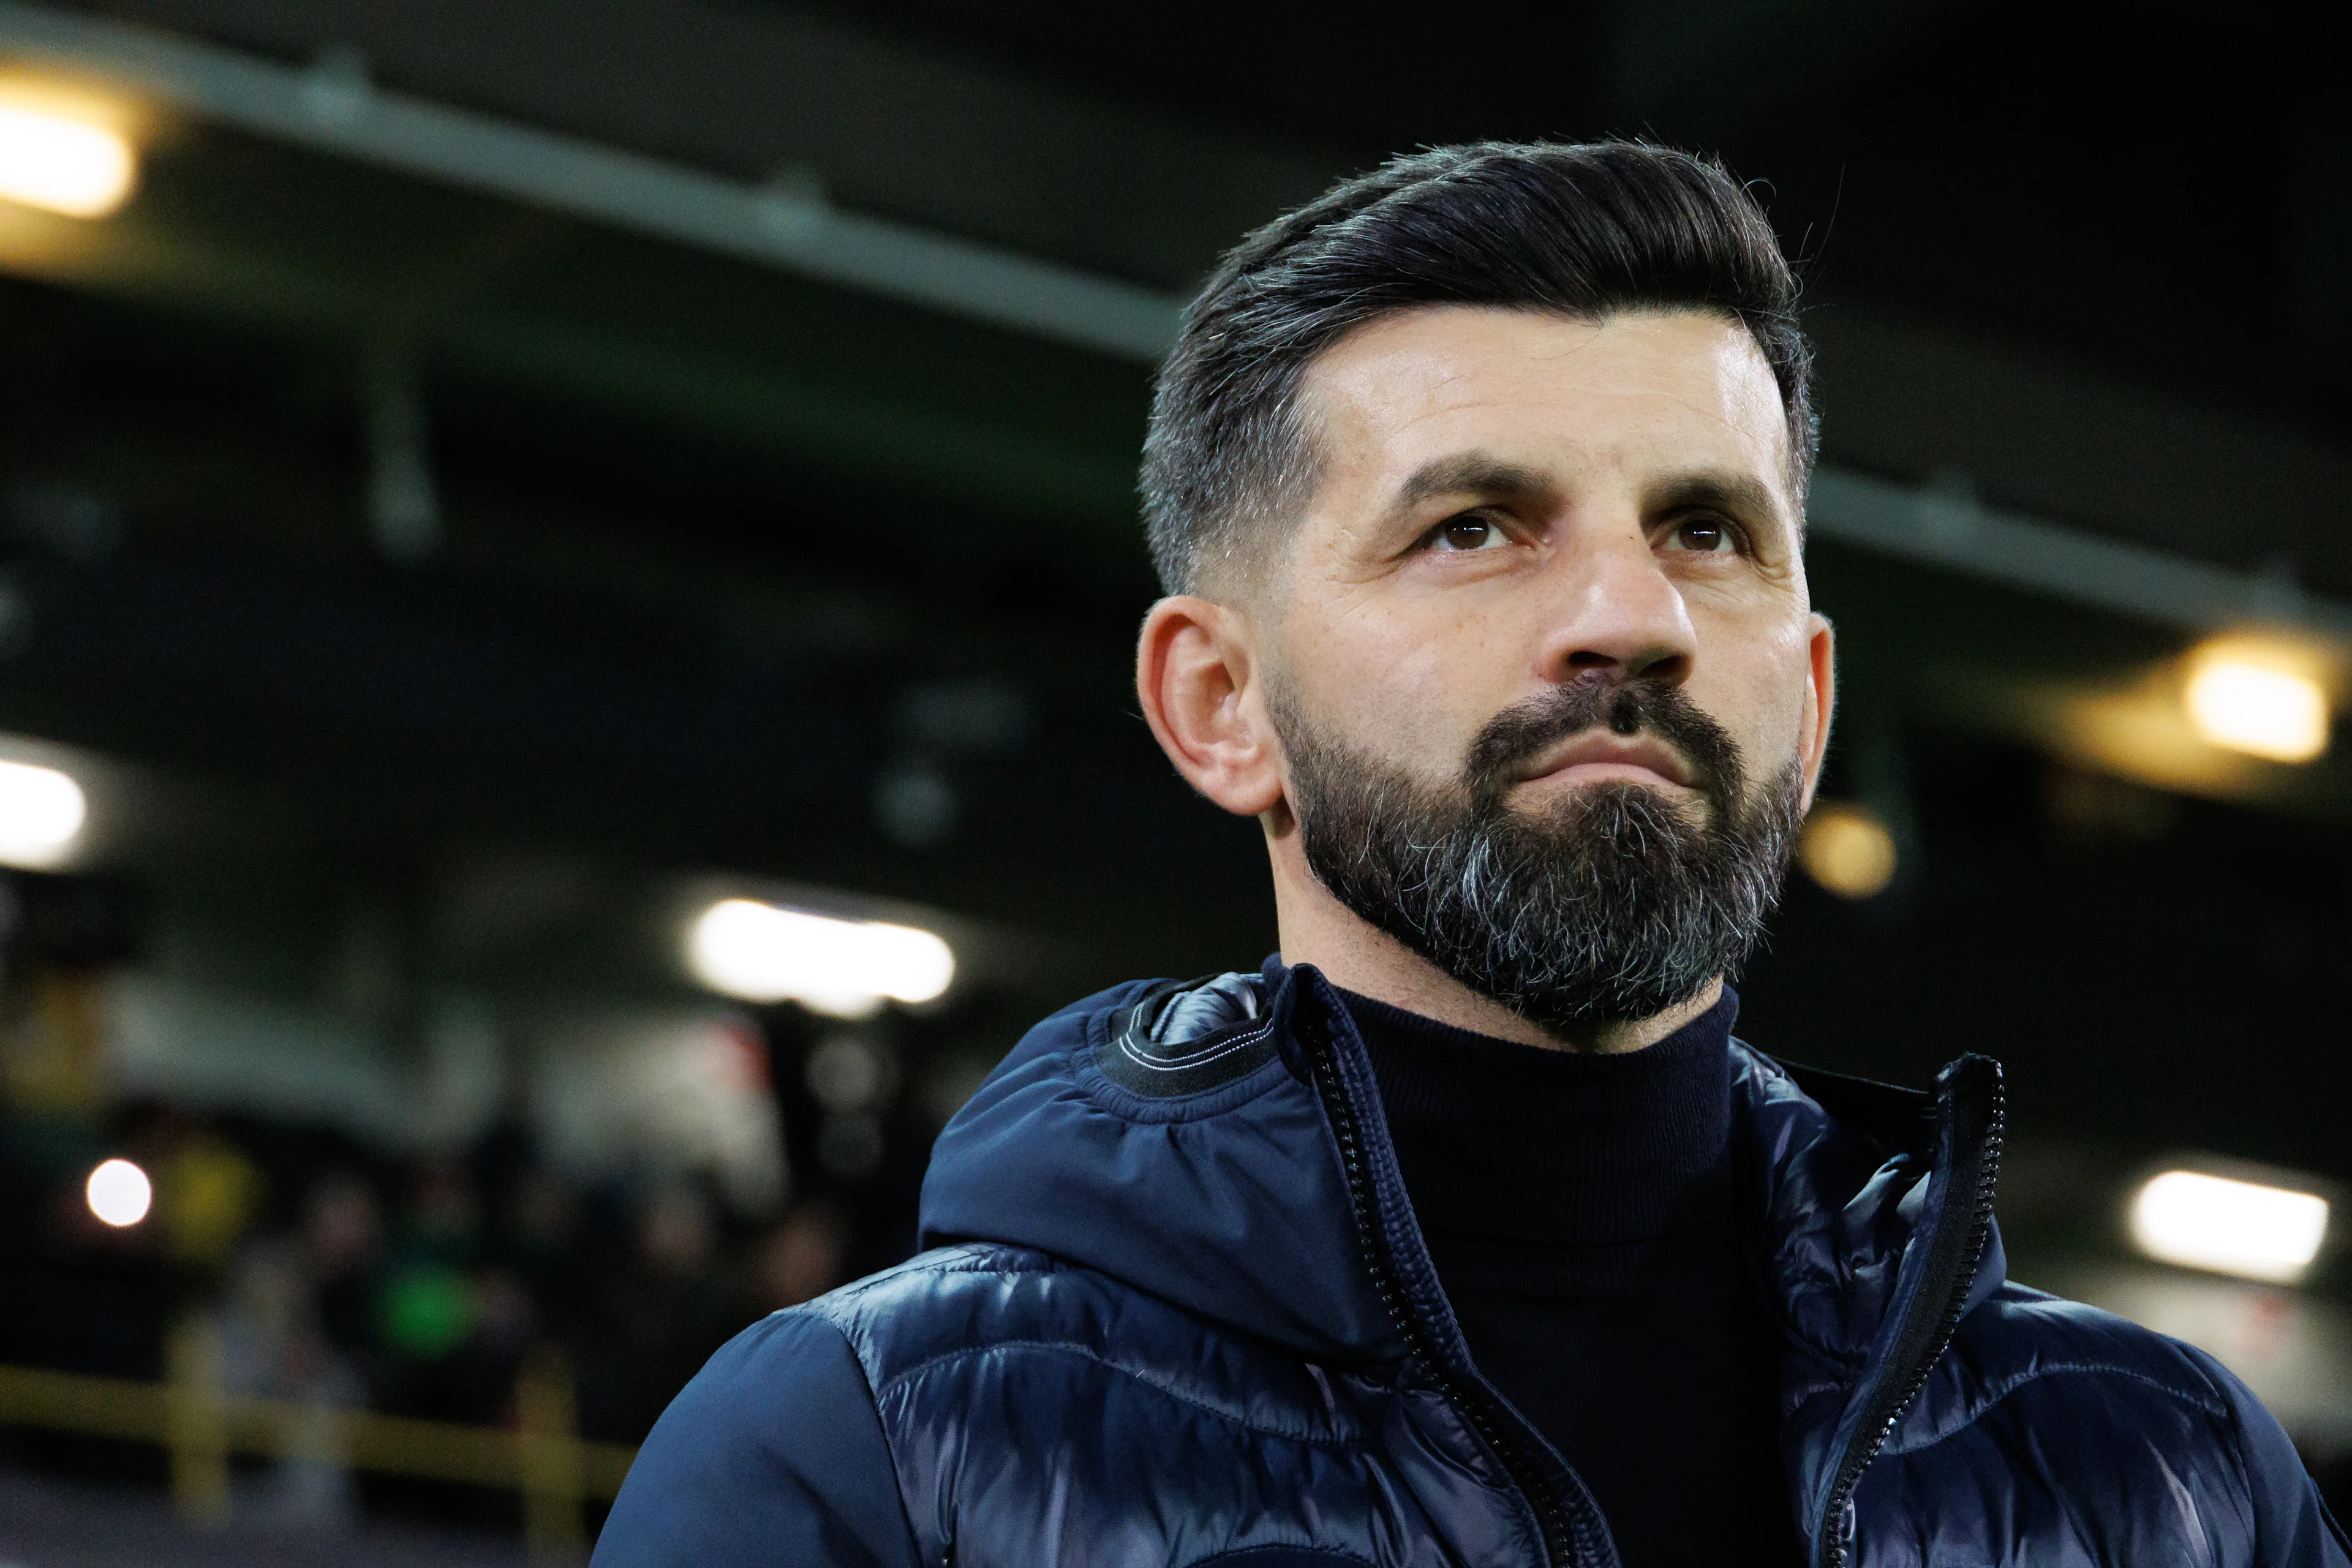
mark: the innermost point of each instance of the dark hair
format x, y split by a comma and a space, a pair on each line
1583, 230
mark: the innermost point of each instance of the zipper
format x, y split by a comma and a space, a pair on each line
1492, 1425
1973, 1117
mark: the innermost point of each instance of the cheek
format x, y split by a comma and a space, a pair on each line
1757, 687
1402, 691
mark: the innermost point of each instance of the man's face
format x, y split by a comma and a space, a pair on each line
1542, 655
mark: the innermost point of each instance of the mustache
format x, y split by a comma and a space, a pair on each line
1520, 733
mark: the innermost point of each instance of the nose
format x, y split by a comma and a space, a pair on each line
1616, 614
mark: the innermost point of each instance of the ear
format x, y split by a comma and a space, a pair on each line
1195, 674
1821, 699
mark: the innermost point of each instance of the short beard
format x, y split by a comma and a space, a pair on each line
1611, 905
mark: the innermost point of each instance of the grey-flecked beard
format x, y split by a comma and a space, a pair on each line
1611, 905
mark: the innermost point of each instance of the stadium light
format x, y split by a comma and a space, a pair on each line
61, 161
1847, 849
2229, 1227
2259, 701
759, 952
41, 814
119, 1194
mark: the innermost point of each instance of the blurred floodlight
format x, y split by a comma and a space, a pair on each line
63, 162
759, 952
1847, 849
2230, 1226
119, 1193
2258, 704
41, 814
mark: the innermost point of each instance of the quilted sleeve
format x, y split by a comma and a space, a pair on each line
771, 1458
2292, 1528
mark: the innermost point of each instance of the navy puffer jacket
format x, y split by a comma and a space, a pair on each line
1177, 1311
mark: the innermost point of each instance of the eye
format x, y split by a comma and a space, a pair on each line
1703, 536
1471, 531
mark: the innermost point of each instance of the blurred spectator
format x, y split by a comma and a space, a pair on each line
50, 1055
342, 1228
665, 1310
542, 1228
427, 1301
798, 1260
675, 1234
274, 1346
505, 1319
449, 1345
205, 1192
443, 1218
333, 1278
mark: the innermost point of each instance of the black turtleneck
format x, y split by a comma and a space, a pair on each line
1580, 1212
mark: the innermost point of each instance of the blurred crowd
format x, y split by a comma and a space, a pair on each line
308, 1263
329, 1275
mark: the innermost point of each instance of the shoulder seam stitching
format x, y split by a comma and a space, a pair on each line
882, 1430
993, 1263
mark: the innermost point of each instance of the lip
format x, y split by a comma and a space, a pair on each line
1594, 755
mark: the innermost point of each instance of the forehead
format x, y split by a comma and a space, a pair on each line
1640, 392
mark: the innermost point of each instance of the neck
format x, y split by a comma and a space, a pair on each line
1317, 929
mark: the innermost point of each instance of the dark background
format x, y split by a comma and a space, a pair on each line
727, 554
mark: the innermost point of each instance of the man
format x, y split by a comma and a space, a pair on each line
1464, 1232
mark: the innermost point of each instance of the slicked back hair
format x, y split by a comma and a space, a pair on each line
1583, 230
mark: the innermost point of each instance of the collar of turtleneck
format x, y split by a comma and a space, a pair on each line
1517, 1143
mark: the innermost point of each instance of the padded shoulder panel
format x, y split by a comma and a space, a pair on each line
2062, 1436
2020, 1337
963, 1303
1004, 1378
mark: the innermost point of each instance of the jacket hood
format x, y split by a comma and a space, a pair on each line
1169, 1135
1197, 1168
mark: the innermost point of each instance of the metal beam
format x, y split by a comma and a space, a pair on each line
333, 106
1960, 534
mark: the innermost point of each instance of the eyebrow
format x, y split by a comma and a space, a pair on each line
1485, 474
1469, 473
1725, 487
